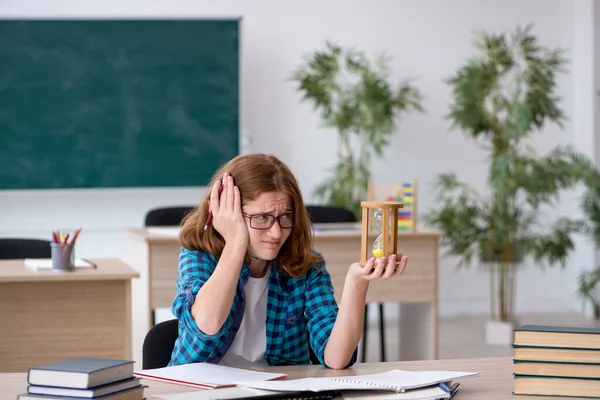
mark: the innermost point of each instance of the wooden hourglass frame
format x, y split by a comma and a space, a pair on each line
389, 229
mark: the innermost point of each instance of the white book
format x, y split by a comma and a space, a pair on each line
46, 263
205, 375
395, 381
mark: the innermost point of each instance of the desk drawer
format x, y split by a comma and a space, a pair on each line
164, 260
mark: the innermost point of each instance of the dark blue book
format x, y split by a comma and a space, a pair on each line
81, 373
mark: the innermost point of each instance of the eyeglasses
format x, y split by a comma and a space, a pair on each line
265, 221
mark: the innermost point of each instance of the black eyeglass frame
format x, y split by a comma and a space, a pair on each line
273, 219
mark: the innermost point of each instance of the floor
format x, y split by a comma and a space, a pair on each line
464, 337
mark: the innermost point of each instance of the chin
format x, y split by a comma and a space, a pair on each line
268, 254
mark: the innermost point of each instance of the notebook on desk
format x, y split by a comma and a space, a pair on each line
205, 375
430, 393
392, 381
46, 263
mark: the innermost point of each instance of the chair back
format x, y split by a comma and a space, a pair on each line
159, 343
167, 216
13, 248
322, 214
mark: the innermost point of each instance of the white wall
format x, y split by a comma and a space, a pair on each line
429, 40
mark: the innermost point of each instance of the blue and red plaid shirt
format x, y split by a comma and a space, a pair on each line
293, 306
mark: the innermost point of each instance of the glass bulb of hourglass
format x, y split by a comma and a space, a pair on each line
378, 244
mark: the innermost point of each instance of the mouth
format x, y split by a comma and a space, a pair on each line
271, 245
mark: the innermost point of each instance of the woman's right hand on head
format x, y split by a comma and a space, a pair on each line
227, 211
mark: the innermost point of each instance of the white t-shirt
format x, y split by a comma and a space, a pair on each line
250, 342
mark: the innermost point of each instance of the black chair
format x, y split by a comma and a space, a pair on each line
167, 216
13, 248
159, 343
329, 214
335, 214
160, 340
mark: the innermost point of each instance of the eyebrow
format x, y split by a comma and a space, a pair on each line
286, 211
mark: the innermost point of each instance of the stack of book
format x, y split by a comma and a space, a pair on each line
89, 378
557, 361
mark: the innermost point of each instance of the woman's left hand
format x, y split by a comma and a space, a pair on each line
380, 269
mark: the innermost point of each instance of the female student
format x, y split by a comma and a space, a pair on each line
250, 286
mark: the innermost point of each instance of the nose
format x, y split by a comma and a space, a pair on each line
275, 231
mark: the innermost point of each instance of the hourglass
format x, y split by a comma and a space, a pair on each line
385, 217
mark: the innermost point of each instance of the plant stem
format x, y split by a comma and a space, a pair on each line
493, 309
511, 294
501, 298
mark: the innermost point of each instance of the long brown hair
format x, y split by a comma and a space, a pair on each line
255, 174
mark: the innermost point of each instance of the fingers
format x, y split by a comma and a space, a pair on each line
390, 267
214, 196
237, 201
386, 267
379, 268
403, 263
368, 268
230, 195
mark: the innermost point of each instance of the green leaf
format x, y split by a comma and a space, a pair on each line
356, 96
501, 97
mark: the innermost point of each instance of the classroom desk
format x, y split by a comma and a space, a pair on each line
495, 381
48, 316
154, 253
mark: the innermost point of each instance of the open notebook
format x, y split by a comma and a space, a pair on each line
395, 380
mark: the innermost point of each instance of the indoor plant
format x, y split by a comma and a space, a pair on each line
500, 98
588, 280
355, 97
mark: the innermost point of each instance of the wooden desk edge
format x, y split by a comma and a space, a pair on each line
125, 272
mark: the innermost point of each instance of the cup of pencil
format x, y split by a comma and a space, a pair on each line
63, 250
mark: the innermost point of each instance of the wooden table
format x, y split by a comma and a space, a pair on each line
154, 253
495, 381
48, 316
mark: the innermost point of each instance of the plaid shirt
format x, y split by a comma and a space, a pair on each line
293, 306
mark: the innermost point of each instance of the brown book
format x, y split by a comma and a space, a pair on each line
581, 356
557, 369
542, 386
557, 336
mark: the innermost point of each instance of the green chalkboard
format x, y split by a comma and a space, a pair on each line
117, 103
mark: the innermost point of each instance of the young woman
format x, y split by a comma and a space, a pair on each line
251, 289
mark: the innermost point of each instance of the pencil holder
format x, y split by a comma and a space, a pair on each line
63, 257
